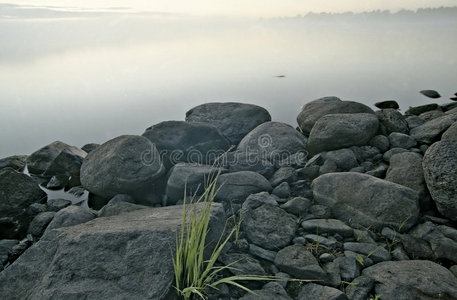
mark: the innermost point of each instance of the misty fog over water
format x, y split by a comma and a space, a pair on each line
89, 77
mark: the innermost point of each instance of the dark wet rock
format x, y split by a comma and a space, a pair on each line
299, 263
16, 162
116, 207
67, 163
398, 253
5, 247
236, 187
179, 141
363, 200
320, 240
413, 279
314, 110
401, 140
39, 161
349, 268
124, 256
233, 120
440, 163
344, 159
417, 110
430, 131
36, 208
329, 166
336, 131
17, 192
18, 250
242, 264
320, 211
327, 226
273, 141
257, 214
190, 177
270, 291
89, 147
387, 104
69, 216
282, 190
381, 142
414, 121
392, 120
430, 115
451, 133
378, 170
237, 161
297, 206
296, 160
57, 204
57, 182
40, 222
448, 106
388, 155
415, 247
360, 288
333, 274
262, 253
312, 291
127, 164
284, 174
77, 191
375, 252
430, 93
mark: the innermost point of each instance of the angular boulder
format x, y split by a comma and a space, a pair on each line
179, 141
236, 187
233, 120
430, 131
120, 257
314, 110
336, 131
412, 279
273, 141
440, 163
299, 263
451, 133
16, 162
393, 120
127, 164
364, 200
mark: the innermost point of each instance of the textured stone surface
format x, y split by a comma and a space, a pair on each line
299, 262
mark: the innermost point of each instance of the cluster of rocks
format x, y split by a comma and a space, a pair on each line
352, 204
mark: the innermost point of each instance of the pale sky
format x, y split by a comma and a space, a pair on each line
245, 7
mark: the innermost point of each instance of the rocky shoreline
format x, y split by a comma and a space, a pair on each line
363, 203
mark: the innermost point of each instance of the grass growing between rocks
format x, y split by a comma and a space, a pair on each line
194, 274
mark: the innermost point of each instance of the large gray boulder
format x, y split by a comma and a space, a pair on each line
298, 262
179, 141
338, 131
128, 164
257, 214
440, 163
69, 216
412, 279
273, 141
236, 187
233, 120
367, 201
188, 179
314, 110
17, 192
16, 162
429, 131
236, 161
40, 160
393, 121
120, 257
451, 133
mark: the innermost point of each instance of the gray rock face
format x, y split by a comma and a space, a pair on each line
430, 131
124, 257
440, 163
273, 141
17, 192
16, 162
282, 190
5, 247
233, 120
364, 200
401, 140
89, 147
349, 268
257, 214
69, 216
413, 279
417, 110
284, 174
313, 291
41, 159
328, 226
360, 288
450, 134
414, 121
191, 177
406, 169
40, 222
314, 110
392, 120
179, 141
344, 159
242, 264
299, 262
297, 206
236, 187
127, 164
430, 115
236, 161
270, 291
387, 104
114, 208
66, 164
373, 251
338, 131
381, 142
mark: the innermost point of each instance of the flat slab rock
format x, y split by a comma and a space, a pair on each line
120, 257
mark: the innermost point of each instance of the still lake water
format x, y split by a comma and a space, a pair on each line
90, 79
